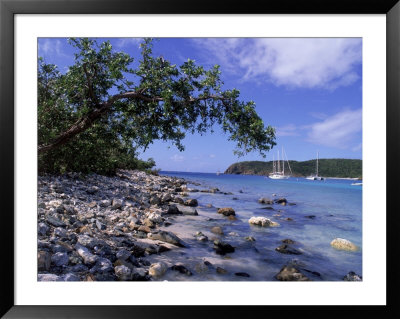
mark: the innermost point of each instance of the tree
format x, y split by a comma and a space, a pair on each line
102, 100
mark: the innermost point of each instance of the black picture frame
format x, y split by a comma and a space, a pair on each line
9, 8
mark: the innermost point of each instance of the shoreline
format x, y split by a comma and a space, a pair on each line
140, 227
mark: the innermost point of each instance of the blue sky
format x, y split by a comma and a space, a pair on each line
309, 89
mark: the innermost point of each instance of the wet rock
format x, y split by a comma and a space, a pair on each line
222, 248
60, 259
265, 200
201, 237
123, 273
157, 270
173, 210
343, 244
242, 274
217, 230
186, 210
352, 276
44, 260
267, 207
182, 269
262, 221
226, 211
281, 201
221, 271
167, 237
290, 273
288, 241
285, 249
201, 268
231, 217
250, 238
288, 219
235, 198
191, 202
310, 216
209, 206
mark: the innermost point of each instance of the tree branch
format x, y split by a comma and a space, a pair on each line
101, 109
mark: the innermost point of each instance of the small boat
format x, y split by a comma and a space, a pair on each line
218, 173
276, 172
356, 184
315, 177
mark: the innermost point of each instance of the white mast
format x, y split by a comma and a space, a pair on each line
283, 161
317, 162
279, 165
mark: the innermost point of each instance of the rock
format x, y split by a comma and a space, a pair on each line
155, 218
123, 273
250, 238
285, 249
290, 273
105, 203
182, 269
288, 241
201, 237
70, 277
310, 216
116, 203
242, 274
44, 260
217, 230
92, 205
267, 207
102, 265
289, 219
60, 259
235, 198
191, 202
157, 270
221, 271
222, 248
186, 210
48, 277
92, 190
100, 226
231, 217
226, 211
352, 276
88, 257
60, 232
155, 200
343, 244
123, 254
265, 200
167, 237
43, 229
55, 221
262, 221
201, 268
281, 201
87, 241
166, 198
173, 210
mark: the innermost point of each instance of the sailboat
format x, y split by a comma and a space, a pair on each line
315, 177
218, 173
277, 173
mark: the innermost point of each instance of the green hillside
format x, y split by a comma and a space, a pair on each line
333, 167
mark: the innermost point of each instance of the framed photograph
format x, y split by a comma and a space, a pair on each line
165, 159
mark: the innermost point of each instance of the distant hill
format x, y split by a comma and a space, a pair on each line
333, 167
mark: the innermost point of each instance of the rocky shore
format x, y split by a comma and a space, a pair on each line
98, 228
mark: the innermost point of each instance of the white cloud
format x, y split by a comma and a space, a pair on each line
287, 130
339, 130
123, 42
177, 158
51, 47
212, 155
293, 62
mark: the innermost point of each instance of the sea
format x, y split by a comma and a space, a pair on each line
322, 211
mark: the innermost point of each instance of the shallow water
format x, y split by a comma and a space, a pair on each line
336, 204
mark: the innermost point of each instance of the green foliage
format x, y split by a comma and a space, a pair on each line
96, 116
335, 167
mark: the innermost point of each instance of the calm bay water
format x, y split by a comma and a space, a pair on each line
336, 205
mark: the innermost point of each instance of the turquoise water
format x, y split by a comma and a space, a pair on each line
336, 205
